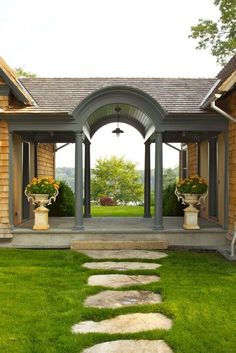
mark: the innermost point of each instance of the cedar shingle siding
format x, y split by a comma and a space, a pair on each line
4, 182
192, 159
232, 162
46, 160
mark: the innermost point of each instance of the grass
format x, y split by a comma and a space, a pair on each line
118, 211
42, 294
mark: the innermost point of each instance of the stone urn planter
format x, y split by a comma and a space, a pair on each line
190, 212
41, 200
192, 199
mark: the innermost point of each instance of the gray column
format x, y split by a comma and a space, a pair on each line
79, 180
158, 222
147, 185
25, 179
11, 188
87, 208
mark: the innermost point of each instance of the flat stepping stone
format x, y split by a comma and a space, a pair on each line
124, 254
130, 346
128, 323
116, 281
117, 299
121, 266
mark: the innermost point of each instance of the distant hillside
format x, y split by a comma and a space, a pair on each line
169, 176
67, 174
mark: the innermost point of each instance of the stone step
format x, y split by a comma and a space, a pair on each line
130, 346
119, 244
128, 323
117, 280
116, 299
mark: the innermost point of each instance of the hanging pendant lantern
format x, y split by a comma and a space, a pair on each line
118, 131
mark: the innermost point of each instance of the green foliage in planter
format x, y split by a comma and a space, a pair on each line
43, 185
64, 206
171, 206
194, 184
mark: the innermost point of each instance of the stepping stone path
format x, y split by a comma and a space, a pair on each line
121, 266
116, 281
117, 299
128, 323
130, 346
124, 254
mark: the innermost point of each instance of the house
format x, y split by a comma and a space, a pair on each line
37, 113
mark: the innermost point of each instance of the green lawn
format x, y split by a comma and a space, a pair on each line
118, 211
42, 293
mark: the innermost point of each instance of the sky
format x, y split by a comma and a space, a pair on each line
106, 38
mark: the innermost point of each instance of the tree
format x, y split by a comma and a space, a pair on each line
219, 36
20, 72
169, 177
116, 178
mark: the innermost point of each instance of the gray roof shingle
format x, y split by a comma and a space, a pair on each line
175, 95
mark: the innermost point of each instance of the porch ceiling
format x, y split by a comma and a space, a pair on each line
128, 114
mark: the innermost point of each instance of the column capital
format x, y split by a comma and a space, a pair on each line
87, 142
158, 133
79, 133
147, 143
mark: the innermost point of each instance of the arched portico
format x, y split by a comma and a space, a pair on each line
37, 113
140, 111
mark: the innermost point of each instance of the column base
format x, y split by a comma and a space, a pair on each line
158, 227
77, 227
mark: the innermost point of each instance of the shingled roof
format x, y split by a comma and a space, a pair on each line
58, 95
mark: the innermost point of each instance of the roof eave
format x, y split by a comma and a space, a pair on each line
18, 89
205, 103
10, 113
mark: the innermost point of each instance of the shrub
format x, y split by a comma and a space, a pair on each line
107, 201
171, 205
64, 206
